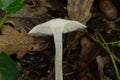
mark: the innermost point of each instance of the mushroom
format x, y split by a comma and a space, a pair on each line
57, 27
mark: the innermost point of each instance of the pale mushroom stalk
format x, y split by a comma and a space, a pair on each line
57, 34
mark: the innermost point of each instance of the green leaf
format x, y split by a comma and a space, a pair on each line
8, 69
1, 5
118, 44
11, 6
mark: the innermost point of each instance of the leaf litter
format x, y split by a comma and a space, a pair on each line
15, 42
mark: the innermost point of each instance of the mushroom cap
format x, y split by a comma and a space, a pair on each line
45, 28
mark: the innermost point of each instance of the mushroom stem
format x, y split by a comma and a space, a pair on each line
56, 27
58, 56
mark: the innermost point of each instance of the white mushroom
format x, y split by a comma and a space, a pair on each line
57, 27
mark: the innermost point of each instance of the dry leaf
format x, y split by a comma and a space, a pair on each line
89, 50
12, 41
79, 10
38, 3
100, 63
83, 69
39, 44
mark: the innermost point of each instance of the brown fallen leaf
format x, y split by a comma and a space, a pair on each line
83, 71
38, 3
100, 63
79, 10
89, 50
39, 44
12, 41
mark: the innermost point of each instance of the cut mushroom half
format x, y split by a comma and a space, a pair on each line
57, 27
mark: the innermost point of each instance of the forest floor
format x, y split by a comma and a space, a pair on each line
87, 54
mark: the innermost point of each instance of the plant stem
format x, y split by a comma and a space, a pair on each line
106, 44
113, 61
3, 20
106, 47
115, 42
116, 58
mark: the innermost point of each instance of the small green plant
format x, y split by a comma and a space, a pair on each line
8, 69
10, 7
98, 38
